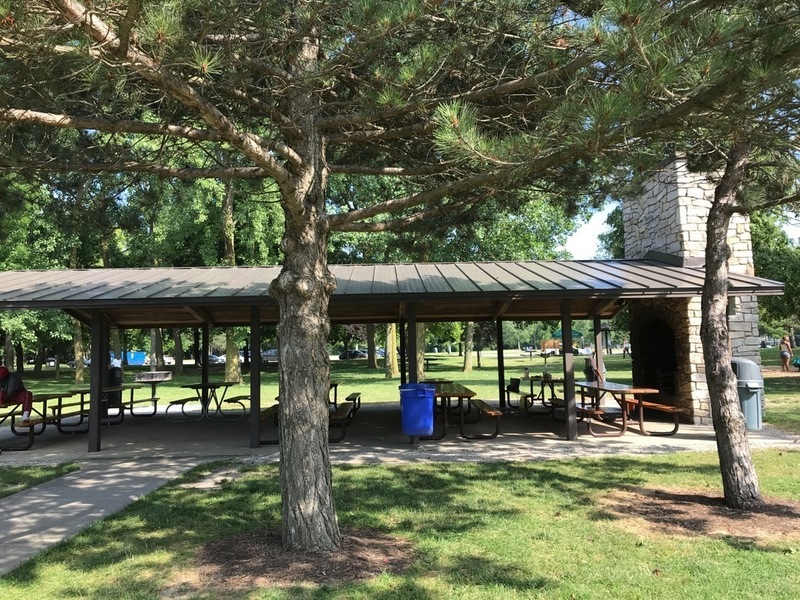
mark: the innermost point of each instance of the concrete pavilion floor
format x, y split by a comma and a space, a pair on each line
375, 436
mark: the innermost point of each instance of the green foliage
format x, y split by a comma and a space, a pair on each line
776, 258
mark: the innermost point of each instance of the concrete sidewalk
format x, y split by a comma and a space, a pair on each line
39, 517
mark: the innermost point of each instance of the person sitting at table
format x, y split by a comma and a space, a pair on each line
12, 391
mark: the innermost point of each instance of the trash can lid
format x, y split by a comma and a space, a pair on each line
746, 369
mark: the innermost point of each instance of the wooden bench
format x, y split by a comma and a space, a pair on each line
30, 424
355, 398
267, 414
483, 408
182, 402
341, 417
129, 404
513, 388
638, 405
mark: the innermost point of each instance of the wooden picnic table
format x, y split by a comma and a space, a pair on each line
207, 393
591, 405
446, 393
38, 420
545, 384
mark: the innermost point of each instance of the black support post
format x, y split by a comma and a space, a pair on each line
501, 365
255, 376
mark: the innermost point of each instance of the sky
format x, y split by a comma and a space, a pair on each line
583, 244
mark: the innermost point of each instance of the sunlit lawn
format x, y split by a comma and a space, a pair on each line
496, 530
492, 530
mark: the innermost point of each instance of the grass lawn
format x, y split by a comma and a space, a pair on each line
491, 530
16, 479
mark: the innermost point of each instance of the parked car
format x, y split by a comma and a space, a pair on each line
168, 361
73, 363
270, 355
348, 354
216, 359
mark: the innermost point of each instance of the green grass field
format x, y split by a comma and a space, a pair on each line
489, 530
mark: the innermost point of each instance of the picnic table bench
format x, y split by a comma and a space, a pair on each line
626, 396
39, 417
339, 417
483, 408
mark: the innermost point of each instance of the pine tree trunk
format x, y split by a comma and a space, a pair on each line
303, 289
739, 480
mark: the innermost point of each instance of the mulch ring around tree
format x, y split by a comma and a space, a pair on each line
258, 559
692, 512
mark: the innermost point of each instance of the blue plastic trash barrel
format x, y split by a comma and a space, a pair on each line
416, 408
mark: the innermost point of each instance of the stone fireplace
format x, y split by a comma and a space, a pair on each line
668, 220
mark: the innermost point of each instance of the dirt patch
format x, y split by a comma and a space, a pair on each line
258, 559
692, 512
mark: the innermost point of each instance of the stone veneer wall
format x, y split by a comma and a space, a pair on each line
670, 217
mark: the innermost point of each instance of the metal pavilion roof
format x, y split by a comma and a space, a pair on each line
222, 296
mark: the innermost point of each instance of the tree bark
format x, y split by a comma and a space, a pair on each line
303, 290
739, 480
372, 361
469, 333
176, 338
391, 368
77, 350
420, 350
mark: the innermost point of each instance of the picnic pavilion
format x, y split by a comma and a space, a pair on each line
202, 297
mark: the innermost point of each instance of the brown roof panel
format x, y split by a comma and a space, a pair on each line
365, 293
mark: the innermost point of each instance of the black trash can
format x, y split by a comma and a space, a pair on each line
114, 380
750, 385
416, 408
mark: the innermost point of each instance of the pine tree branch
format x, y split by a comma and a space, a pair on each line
476, 96
126, 25
185, 173
247, 143
396, 171
14, 115
429, 196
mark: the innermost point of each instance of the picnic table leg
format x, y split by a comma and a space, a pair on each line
642, 427
444, 402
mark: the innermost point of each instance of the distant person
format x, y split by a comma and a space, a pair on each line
785, 348
626, 349
12, 391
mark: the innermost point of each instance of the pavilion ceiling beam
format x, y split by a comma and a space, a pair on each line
607, 304
502, 308
84, 317
200, 314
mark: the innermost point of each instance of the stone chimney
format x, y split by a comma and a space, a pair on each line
669, 218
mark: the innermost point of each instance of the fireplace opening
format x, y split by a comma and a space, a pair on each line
656, 360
